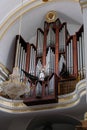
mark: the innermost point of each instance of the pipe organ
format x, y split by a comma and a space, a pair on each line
75, 54
57, 58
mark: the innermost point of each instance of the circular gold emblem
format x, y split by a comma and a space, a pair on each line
51, 16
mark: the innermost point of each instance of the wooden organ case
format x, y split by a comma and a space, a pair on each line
48, 67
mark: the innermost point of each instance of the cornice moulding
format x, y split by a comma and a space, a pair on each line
65, 102
83, 3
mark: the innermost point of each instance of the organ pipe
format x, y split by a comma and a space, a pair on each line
38, 90
51, 85
81, 58
83, 54
17, 51
78, 56
40, 43
62, 39
50, 60
71, 61
38, 67
32, 61
67, 55
50, 37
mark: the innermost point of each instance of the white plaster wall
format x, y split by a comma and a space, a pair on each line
72, 28
7, 46
6, 6
33, 40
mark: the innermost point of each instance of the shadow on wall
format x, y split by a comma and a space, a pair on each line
9, 63
53, 122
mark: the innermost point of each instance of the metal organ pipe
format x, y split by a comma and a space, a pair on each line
40, 43
38, 90
38, 67
62, 39
30, 71
71, 48
83, 50
60, 43
50, 37
80, 43
20, 59
78, 56
51, 85
70, 57
20, 66
81, 61
50, 60
17, 51
28, 89
19, 55
23, 64
67, 57
32, 61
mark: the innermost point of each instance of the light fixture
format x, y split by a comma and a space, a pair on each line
13, 87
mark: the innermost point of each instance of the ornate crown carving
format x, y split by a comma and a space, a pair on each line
51, 16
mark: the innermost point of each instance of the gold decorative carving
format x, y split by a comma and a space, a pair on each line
83, 3
51, 16
45, 0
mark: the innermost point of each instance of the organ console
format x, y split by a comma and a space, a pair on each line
56, 59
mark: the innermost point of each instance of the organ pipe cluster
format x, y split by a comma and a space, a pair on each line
55, 53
